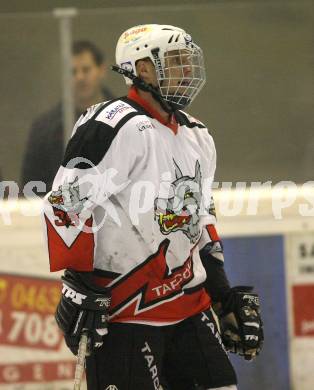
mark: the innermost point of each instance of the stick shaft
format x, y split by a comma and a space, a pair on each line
80, 365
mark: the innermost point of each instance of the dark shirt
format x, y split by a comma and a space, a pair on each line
44, 148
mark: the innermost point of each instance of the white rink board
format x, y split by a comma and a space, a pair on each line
22, 252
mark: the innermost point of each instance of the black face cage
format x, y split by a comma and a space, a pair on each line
180, 74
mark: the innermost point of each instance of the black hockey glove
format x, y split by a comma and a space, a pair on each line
240, 321
83, 307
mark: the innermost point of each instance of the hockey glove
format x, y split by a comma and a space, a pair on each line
83, 307
240, 321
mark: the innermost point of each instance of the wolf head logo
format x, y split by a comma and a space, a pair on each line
67, 197
180, 211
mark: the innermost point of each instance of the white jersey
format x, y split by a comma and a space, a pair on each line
131, 201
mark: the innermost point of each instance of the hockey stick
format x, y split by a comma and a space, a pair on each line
80, 364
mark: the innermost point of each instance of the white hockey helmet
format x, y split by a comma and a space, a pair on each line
178, 61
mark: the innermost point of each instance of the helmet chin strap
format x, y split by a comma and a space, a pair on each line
170, 108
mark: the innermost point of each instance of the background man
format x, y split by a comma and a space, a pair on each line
44, 148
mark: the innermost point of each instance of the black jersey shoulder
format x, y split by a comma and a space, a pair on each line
187, 120
95, 134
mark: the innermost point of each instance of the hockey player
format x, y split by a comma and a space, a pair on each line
130, 220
